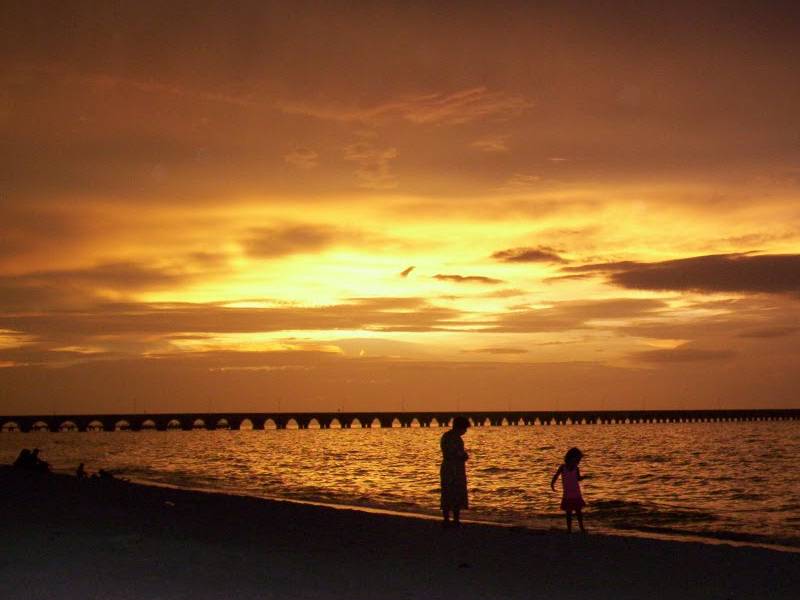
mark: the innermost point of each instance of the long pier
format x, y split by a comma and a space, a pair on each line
347, 420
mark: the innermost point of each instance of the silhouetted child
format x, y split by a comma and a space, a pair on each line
80, 472
571, 499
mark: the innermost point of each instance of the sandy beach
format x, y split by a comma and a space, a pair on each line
67, 539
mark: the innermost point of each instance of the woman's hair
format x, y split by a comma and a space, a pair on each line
460, 423
572, 456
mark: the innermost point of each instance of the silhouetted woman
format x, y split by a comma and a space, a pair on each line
453, 472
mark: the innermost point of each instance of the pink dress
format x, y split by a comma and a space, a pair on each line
571, 498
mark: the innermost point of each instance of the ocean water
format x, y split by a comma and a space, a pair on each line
735, 481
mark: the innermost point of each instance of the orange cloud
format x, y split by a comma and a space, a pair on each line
468, 279
576, 314
492, 143
52, 289
161, 320
302, 158
497, 351
681, 355
527, 254
373, 170
271, 242
436, 108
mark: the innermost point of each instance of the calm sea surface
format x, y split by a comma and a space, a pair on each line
730, 481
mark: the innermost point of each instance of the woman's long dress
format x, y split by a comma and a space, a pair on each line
453, 472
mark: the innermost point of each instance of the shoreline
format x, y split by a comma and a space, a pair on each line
64, 538
654, 533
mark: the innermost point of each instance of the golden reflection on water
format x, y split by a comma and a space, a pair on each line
737, 479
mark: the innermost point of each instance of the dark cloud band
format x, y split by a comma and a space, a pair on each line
745, 273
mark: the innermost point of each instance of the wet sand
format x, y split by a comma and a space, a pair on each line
67, 539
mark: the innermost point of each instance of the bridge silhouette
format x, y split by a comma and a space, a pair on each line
347, 420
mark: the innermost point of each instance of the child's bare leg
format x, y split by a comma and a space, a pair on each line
456, 516
446, 515
569, 521
579, 514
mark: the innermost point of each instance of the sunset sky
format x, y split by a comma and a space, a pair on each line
241, 205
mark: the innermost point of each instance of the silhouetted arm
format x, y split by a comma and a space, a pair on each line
453, 449
462, 452
555, 478
581, 477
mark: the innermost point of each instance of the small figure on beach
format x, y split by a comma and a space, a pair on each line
104, 475
24, 460
453, 472
39, 464
29, 459
80, 473
571, 499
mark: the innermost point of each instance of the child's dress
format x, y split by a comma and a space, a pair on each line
571, 498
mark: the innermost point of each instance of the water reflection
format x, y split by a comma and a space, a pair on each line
709, 478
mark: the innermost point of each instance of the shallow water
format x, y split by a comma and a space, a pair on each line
731, 481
